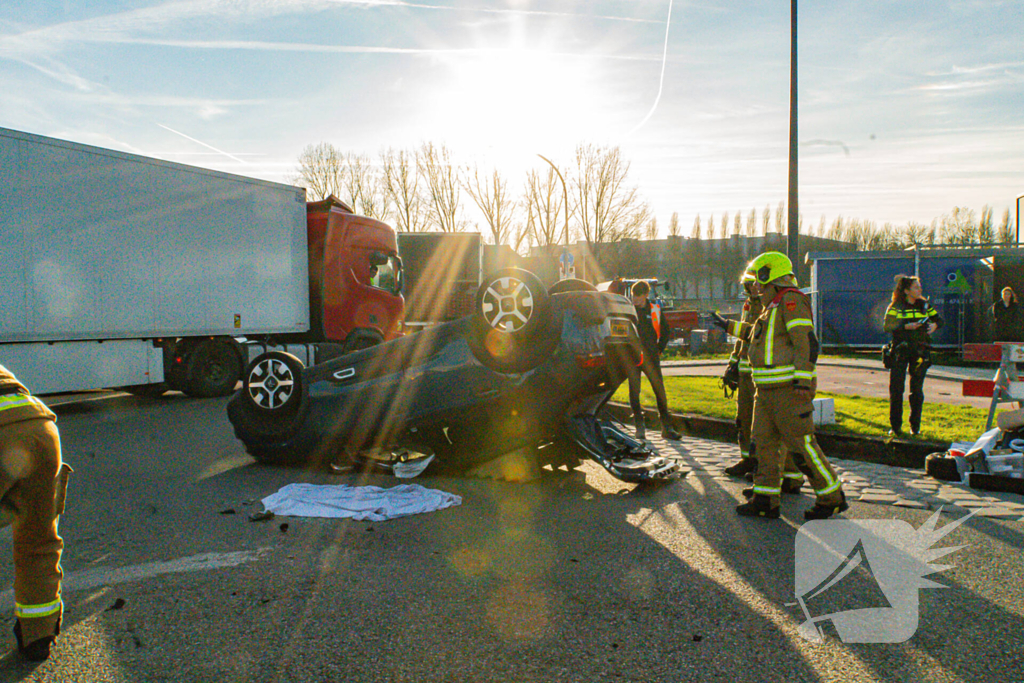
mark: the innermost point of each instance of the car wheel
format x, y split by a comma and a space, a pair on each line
512, 322
273, 383
571, 285
212, 369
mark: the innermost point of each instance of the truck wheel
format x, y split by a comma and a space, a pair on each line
511, 328
212, 369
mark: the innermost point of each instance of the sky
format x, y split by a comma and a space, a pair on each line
907, 108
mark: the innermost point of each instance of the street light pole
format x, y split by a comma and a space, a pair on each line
565, 197
793, 246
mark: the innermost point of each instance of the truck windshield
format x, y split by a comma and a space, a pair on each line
388, 276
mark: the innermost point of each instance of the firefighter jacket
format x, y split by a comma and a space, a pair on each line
783, 347
898, 316
16, 403
741, 330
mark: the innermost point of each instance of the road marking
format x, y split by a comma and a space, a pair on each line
87, 579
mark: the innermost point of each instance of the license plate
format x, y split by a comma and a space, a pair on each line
620, 328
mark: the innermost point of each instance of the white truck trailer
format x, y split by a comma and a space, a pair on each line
124, 271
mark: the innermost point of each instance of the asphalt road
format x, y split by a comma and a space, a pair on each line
572, 577
854, 380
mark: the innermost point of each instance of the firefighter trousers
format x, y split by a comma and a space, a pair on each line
782, 417
33, 482
744, 427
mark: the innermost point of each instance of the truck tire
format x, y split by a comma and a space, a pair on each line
511, 329
213, 368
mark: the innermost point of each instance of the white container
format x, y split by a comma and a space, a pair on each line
824, 411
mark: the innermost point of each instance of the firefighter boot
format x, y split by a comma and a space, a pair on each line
740, 468
792, 485
37, 650
820, 511
758, 506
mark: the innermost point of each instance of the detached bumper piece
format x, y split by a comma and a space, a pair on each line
624, 457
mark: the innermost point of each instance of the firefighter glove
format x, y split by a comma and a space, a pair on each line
719, 321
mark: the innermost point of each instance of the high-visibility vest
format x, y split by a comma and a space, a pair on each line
656, 319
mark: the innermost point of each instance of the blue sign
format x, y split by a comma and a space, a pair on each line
567, 258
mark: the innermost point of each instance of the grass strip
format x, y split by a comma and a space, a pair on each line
855, 415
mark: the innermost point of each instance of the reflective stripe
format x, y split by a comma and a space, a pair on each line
798, 322
830, 483
44, 610
17, 401
768, 490
801, 374
780, 375
794, 475
769, 350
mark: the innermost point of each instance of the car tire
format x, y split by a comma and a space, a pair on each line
571, 285
511, 329
212, 369
272, 392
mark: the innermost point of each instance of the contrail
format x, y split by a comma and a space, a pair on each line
200, 142
661, 80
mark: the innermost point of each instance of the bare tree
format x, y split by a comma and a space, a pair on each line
914, 233
442, 187
780, 212
723, 230
737, 223
752, 223
321, 170
1005, 234
364, 187
651, 229
545, 207
766, 218
986, 235
958, 226
695, 233
490, 193
607, 209
673, 225
402, 188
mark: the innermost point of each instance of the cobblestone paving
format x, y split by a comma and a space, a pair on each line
863, 481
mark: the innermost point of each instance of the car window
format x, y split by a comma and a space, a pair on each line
388, 276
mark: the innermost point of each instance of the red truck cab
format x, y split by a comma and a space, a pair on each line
355, 277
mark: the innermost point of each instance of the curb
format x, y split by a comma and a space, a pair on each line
895, 453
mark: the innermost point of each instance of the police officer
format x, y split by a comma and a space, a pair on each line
912, 321
783, 351
739, 369
653, 338
33, 481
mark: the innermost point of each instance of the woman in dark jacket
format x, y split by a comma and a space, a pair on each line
1006, 317
911, 320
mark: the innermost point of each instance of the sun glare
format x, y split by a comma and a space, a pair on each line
505, 106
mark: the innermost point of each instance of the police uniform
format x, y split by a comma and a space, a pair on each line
33, 482
783, 351
911, 356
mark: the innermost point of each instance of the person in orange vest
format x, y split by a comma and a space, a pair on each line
654, 335
783, 352
33, 482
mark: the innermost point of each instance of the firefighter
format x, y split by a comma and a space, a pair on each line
33, 482
911, 320
654, 336
783, 350
738, 378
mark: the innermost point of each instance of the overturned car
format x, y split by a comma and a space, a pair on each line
528, 370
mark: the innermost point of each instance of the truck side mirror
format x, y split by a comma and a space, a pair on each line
378, 258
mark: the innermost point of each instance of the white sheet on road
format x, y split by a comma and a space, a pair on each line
370, 503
